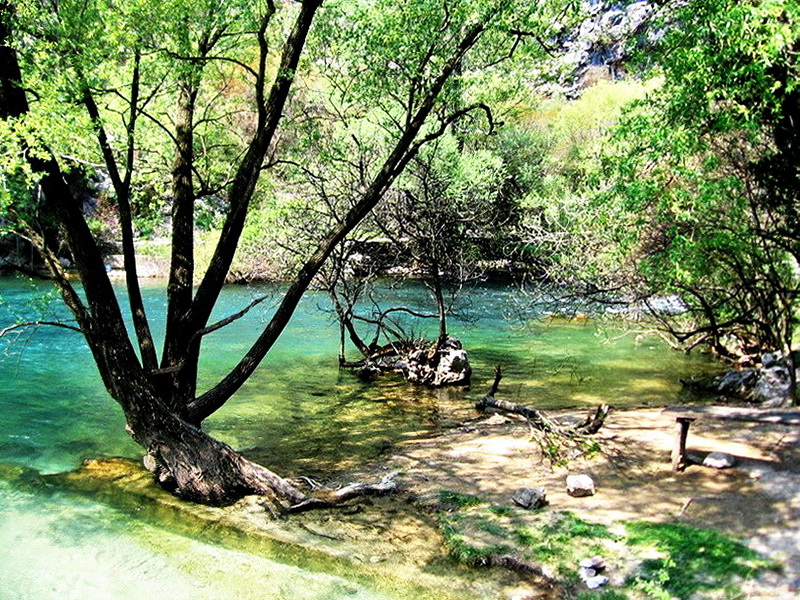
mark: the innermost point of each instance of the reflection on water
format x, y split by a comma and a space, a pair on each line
298, 414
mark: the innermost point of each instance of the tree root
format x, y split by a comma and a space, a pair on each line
326, 498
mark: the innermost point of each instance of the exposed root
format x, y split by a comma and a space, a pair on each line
326, 498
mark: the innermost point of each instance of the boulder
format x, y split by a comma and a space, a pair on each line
530, 498
579, 486
768, 385
453, 368
737, 382
773, 386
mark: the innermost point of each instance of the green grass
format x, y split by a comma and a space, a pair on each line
694, 560
677, 561
456, 500
563, 541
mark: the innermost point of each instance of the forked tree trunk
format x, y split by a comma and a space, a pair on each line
165, 418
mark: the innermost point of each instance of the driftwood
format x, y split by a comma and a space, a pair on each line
537, 419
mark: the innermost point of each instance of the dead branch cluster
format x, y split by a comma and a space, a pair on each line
555, 438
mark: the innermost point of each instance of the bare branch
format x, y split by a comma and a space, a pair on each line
10, 328
230, 319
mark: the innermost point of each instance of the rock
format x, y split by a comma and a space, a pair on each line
737, 382
368, 372
771, 359
589, 568
453, 368
530, 498
596, 582
719, 460
769, 385
579, 486
773, 386
446, 365
596, 562
601, 45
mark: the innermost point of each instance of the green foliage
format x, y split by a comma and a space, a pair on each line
669, 560
563, 541
704, 204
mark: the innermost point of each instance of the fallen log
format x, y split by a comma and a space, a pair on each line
538, 419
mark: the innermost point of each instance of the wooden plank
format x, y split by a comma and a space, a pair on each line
757, 415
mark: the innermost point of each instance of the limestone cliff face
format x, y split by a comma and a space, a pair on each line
603, 45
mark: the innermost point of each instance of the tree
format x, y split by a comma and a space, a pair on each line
709, 171
440, 213
194, 103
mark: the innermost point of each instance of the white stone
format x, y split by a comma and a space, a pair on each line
595, 562
596, 582
580, 485
719, 460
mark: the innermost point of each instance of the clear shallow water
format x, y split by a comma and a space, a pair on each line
298, 414
68, 547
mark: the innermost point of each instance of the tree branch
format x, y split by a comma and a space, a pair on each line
10, 328
404, 150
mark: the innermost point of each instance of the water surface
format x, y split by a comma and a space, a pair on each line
298, 414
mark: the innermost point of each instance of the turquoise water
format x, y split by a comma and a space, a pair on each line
298, 414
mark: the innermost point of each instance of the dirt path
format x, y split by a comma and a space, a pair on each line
758, 501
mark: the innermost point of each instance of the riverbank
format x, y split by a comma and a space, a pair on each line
757, 502
455, 496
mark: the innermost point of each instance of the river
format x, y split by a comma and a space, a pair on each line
299, 414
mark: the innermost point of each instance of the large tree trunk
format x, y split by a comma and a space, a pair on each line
197, 467
162, 418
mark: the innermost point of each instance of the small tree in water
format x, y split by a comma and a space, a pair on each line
187, 98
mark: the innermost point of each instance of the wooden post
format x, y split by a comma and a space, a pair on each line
679, 449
